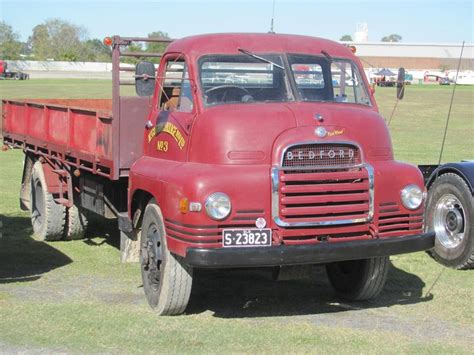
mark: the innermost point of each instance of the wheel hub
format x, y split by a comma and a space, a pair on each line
453, 221
151, 256
449, 220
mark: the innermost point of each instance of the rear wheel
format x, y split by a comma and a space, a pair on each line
47, 217
76, 225
450, 213
167, 280
359, 280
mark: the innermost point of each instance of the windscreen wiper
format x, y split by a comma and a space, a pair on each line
253, 55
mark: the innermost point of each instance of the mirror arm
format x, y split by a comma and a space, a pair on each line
144, 77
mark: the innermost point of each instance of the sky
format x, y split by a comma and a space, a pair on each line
416, 21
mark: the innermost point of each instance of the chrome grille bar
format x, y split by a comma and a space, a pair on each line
275, 177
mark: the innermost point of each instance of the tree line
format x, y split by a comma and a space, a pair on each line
60, 40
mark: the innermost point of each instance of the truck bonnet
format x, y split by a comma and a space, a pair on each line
257, 133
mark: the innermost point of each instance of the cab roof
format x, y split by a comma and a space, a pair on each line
228, 43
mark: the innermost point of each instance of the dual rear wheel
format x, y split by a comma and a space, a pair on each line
50, 220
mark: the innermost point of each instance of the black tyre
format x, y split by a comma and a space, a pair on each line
47, 217
358, 280
76, 223
167, 280
450, 213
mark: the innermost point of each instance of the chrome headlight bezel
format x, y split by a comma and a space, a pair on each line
412, 197
218, 206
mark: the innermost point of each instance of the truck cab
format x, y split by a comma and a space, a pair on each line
269, 150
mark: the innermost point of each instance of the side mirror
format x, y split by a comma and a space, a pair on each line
145, 79
401, 84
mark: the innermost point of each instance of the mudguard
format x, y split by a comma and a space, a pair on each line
464, 169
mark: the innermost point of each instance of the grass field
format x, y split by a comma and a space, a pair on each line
76, 296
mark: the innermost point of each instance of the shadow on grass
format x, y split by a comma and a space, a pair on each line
21, 257
253, 293
106, 229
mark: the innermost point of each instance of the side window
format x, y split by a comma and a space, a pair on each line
347, 84
176, 93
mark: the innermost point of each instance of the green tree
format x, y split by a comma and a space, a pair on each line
392, 38
39, 43
94, 50
135, 48
151, 47
154, 47
57, 39
10, 47
346, 38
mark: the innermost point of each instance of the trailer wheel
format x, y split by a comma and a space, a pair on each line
76, 223
450, 213
47, 217
358, 280
167, 280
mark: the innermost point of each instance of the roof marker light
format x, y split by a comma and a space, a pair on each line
108, 41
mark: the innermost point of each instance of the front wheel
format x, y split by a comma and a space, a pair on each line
359, 280
167, 280
450, 213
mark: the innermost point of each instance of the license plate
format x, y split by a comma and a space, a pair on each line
247, 237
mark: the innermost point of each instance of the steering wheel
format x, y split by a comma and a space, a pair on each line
227, 89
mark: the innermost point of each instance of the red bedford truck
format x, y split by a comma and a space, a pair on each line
241, 150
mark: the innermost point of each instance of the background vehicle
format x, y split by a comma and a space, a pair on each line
444, 81
450, 212
7, 74
195, 184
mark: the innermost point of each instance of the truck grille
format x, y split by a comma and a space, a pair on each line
322, 185
323, 197
317, 155
393, 222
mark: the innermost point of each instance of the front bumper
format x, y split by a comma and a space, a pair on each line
320, 253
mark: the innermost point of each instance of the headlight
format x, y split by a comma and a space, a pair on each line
412, 197
218, 205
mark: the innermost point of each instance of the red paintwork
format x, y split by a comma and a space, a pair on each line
232, 148
80, 130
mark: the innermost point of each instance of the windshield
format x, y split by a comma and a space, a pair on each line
243, 79
264, 78
320, 79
